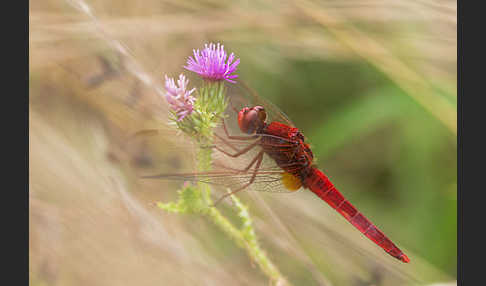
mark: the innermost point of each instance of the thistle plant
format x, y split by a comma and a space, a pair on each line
211, 63
196, 112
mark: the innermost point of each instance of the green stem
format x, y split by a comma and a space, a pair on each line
245, 238
204, 165
252, 248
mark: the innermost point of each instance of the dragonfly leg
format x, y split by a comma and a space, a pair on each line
227, 142
241, 138
258, 159
240, 152
245, 170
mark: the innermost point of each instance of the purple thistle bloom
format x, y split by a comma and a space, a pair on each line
179, 98
211, 63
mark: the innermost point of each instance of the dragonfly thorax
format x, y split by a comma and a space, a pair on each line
287, 147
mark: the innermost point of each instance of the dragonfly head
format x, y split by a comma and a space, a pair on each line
252, 119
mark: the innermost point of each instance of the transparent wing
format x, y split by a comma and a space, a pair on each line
266, 178
242, 95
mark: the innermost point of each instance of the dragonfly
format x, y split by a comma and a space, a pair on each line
279, 160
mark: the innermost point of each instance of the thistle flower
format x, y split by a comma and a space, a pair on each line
211, 64
178, 97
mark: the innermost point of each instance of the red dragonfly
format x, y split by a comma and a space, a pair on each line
289, 166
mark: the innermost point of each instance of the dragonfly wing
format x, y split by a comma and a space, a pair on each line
241, 95
265, 180
234, 173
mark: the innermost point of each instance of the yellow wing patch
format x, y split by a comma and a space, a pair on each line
291, 182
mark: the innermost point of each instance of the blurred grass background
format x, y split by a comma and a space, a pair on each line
372, 84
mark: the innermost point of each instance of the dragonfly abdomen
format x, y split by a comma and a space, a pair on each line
320, 185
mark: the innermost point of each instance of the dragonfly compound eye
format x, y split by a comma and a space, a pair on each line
251, 120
